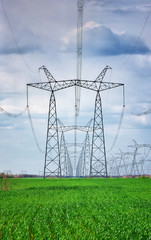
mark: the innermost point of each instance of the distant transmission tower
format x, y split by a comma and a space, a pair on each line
135, 168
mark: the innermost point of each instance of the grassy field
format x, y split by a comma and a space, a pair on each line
67, 209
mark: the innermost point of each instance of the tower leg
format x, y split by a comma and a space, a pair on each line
86, 157
98, 165
52, 167
63, 155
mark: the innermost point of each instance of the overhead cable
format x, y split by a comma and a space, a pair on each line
2, 110
13, 35
136, 43
121, 119
33, 131
118, 130
120, 123
141, 114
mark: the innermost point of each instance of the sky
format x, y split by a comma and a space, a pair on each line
35, 33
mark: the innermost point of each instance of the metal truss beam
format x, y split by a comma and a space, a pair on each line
64, 128
90, 85
70, 128
96, 85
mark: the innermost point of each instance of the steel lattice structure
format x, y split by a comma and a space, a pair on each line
136, 163
83, 166
66, 166
135, 168
53, 85
52, 154
98, 165
65, 162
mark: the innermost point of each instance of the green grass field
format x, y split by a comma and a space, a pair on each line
67, 209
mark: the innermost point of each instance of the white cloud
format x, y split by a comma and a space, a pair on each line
71, 36
91, 25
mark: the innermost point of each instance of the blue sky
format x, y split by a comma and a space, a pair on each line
45, 33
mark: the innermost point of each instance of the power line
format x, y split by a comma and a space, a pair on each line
121, 119
118, 130
13, 35
120, 123
2, 110
136, 43
33, 131
141, 114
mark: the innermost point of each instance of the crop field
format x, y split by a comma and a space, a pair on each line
67, 209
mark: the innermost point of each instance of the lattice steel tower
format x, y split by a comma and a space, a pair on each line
98, 166
57, 160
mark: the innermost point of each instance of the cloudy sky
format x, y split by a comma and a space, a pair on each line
35, 33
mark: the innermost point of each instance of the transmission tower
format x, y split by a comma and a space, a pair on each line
65, 162
83, 166
98, 165
86, 156
121, 163
124, 163
135, 164
113, 169
55, 164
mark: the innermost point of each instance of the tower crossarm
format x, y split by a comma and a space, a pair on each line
86, 128
94, 86
136, 145
63, 84
56, 86
41, 85
70, 128
144, 145
73, 144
